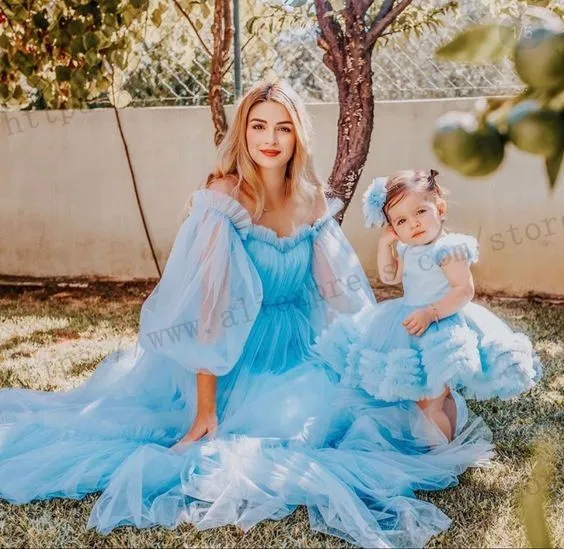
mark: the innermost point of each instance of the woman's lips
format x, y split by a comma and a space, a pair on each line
418, 234
271, 153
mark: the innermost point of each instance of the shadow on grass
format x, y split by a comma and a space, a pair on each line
40, 337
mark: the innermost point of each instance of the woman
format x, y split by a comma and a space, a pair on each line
222, 414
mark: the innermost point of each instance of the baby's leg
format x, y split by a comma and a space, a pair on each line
434, 409
451, 411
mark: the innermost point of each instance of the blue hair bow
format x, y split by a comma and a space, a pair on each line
373, 202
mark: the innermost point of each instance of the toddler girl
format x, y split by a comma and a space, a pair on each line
433, 339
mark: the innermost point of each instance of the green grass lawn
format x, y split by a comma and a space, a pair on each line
52, 338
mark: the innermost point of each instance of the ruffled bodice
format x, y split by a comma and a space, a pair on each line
310, 275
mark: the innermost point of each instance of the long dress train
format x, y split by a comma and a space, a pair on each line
242, 303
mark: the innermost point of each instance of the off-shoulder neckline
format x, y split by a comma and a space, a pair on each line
334, 205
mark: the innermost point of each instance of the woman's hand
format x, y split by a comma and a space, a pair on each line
388, 236
418, 321
205, 423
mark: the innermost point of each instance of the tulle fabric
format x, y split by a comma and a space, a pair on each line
289, 434
472, 350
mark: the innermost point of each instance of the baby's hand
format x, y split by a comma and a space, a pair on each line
388, 236
418, 321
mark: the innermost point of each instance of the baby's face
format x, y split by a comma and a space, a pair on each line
417, 219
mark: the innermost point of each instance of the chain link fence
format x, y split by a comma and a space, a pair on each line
173, 63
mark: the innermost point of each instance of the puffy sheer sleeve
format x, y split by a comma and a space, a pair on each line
340, 283
202, 309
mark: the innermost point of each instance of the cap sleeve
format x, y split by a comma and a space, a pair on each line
202, 309
339, 281
456, 246
401, 248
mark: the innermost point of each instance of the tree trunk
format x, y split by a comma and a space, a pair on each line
222, 32
355, 123
348, 39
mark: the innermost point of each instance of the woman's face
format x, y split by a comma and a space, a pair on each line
271, 136
417, 219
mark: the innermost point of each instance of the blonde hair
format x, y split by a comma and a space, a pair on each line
234, 159
405, 181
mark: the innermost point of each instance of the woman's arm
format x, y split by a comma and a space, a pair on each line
205, 421
211, 310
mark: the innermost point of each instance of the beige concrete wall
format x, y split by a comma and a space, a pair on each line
67, 205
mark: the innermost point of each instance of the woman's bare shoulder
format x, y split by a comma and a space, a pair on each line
228, 184
225, 184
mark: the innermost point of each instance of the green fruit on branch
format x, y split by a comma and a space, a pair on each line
468, 147
539, 59
535, 129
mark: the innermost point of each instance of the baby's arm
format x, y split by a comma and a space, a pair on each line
461, 292
390, 266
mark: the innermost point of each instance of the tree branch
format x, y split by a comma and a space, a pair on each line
222, 33
378, 26
231, 61
385, 8
136, 190
227, 31
191, 23
361, 6
331, 39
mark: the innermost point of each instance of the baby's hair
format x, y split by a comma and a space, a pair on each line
420, 181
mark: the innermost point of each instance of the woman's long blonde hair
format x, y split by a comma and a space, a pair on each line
233, 158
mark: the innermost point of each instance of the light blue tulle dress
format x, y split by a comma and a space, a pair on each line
239, 301
472, 350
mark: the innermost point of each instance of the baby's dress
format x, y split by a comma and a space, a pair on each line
240, 302
472, 350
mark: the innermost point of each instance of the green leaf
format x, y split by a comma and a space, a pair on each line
91, 41
34, 80
77, 45
480, 44
121, 59
62, 73
120, 99
24, 63
250, 24
40, 21
92, 57
553, 165
129, 15
4, 42
76, 27
4, 91
156, 18
18, 92
556, 103
110, 6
